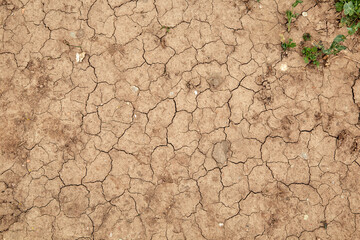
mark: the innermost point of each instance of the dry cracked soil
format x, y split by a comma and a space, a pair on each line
175, 119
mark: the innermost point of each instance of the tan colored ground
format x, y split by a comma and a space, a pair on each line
191, 131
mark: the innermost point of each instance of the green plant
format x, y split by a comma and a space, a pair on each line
290, 14
335, 46
167, 28
289, 44
314, 53
351, 14
311, 54
306, 36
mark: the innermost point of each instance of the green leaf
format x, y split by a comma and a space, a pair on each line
296, 3
339, 6
289, 14
351, 30
306, 59
339, 38
327, 51
349, 8
306, 36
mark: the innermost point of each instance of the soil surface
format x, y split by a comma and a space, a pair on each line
175, 119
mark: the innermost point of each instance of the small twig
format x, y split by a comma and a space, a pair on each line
67, 43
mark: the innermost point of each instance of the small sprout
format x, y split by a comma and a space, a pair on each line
290, 14
167, 28
311, 55
287, 45
306, 36
336, 47
325, 224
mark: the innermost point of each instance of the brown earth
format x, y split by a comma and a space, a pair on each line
175, 119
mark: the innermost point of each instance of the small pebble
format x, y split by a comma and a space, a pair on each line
306, 217
196, 92
135, 115
283, 67
221, 224
73, 34
134, 88
304, 14
80, 57
110, 235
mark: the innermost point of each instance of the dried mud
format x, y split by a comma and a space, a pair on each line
183, 120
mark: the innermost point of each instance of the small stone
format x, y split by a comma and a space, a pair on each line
110, 235
134, 88
171, 94
73, 34
134, 115
80, 57
196, 92
306, 217
221, 224
304, 14
283, 67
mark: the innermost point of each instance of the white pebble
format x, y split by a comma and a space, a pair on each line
110, 235
283, 67
80, 57
196, 92
135, 115
306, 217
221, 224
304, 14
73, 34
134, 88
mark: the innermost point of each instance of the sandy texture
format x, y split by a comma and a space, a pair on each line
175, 119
